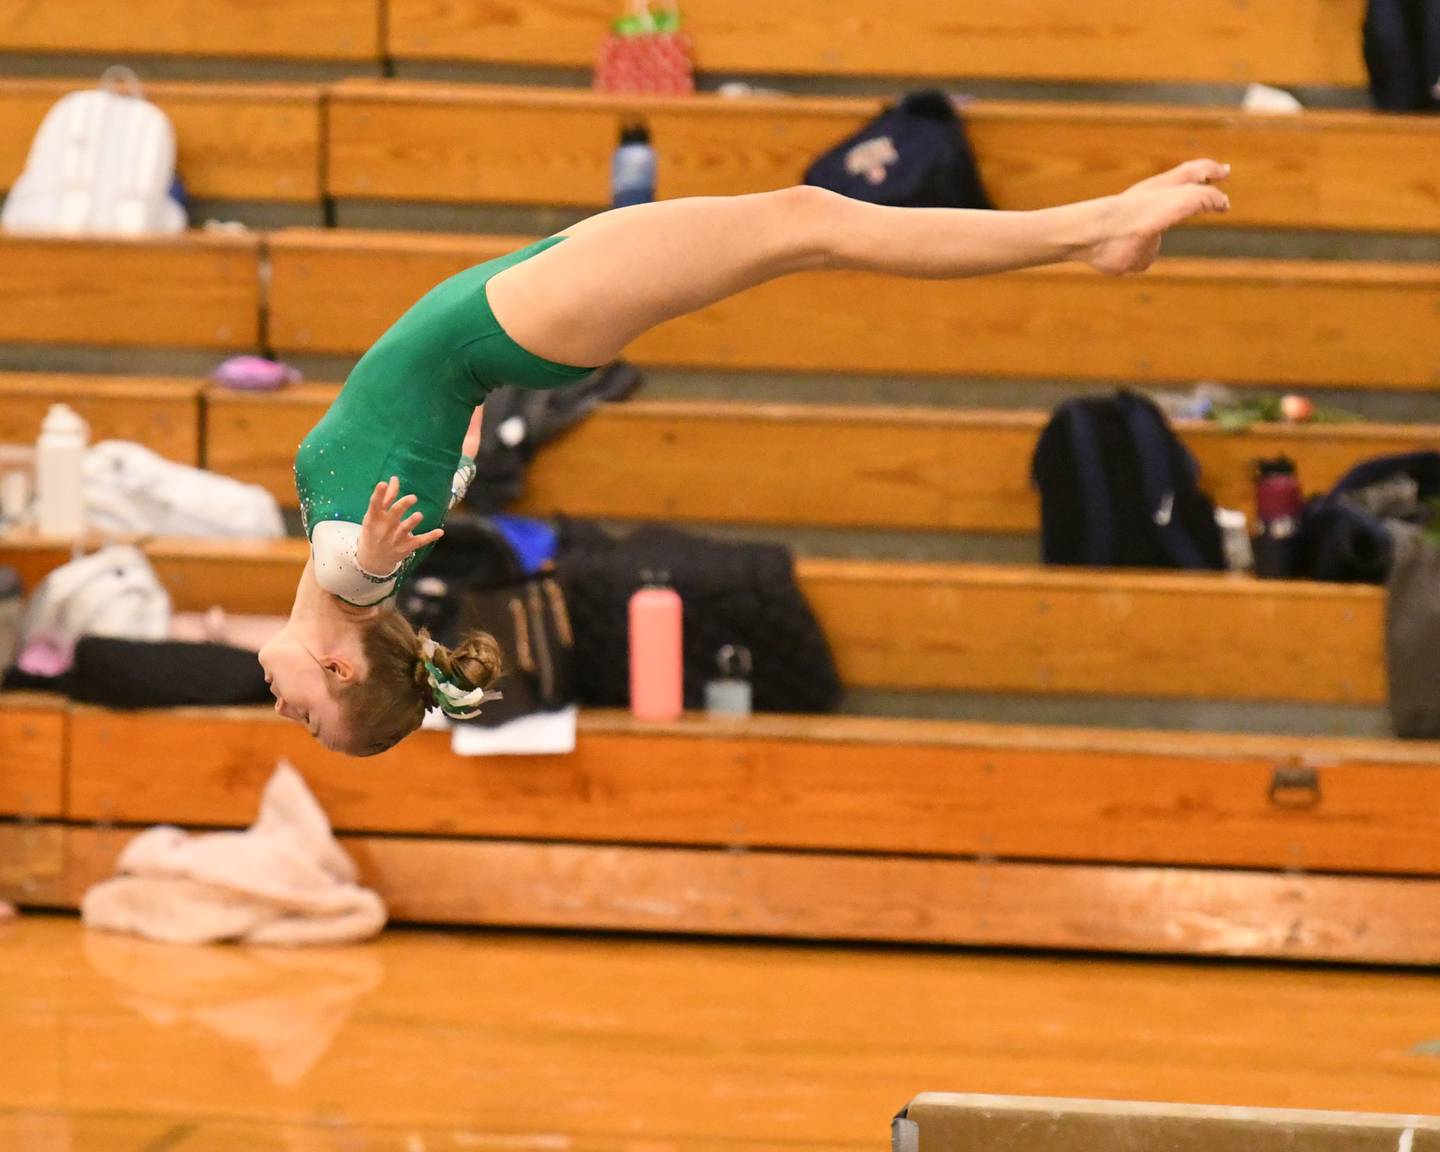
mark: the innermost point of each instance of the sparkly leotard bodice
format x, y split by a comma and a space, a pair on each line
406, 405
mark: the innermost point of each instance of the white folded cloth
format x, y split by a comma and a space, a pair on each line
284, 880
539, 734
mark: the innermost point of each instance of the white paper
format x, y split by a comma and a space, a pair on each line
543, 734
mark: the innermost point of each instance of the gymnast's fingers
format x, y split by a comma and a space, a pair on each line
418, 542
377, 499
410, 523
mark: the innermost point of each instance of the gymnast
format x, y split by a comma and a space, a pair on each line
385, 463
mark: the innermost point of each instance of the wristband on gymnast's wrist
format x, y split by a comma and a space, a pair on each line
372, 577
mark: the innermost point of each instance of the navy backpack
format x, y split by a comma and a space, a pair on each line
913, 155
1346, 544
1402, 53
1119, 490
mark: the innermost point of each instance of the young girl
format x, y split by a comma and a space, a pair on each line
349, 667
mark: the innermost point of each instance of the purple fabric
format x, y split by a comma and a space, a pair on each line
46, 655
255, 373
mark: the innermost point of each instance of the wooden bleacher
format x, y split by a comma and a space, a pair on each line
32, 756
392, 140
275, 29
920, 469
968, 628
1305, 42
264, 143
819, 827
1313, 42
163, 414
1309, 323
200, 290
1303, 323
235, 142
976, 834
925, 469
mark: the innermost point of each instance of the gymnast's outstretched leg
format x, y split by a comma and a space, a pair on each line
623, 272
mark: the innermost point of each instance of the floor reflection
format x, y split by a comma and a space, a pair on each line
285, 1006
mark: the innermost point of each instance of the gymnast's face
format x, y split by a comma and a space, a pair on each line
305, 684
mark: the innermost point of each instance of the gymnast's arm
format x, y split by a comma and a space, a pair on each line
360, 563
334, 549
469, 449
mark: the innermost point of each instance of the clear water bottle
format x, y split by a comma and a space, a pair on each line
59, 461
728, 694
632, 170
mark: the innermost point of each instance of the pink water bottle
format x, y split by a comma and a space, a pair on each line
657, 669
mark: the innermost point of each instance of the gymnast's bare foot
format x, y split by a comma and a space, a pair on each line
1133, 222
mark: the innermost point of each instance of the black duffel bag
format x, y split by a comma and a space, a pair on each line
735, 594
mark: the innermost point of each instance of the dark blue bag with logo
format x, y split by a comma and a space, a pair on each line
1118, 489
913, 155
1402, 53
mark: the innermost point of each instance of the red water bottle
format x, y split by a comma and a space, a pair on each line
1279, 503
657, 667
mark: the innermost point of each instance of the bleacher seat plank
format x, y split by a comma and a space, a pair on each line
306, 263
162, 414
900, 468
280, 29
927, 469
255, 577
235, 142
814, 896
806, 783
983, 628
979, 628
817, 896
35, 868
253, 437
32, 756
34, 556
416, 142
198, 290
1166, 41
1239, 321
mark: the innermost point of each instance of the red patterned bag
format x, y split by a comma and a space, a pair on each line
645, 51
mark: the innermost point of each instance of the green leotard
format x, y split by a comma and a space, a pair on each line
406, 405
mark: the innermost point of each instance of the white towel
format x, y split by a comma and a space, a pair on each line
540, 734
282, 881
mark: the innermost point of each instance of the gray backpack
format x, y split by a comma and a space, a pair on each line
12, 611
1412, 637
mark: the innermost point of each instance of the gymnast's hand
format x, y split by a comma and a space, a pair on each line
1132, 223
386, 533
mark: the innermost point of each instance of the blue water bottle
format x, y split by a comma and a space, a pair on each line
632, 171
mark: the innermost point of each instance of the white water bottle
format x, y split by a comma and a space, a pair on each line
59, 459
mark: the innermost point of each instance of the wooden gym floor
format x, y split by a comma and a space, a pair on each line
431, 1041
